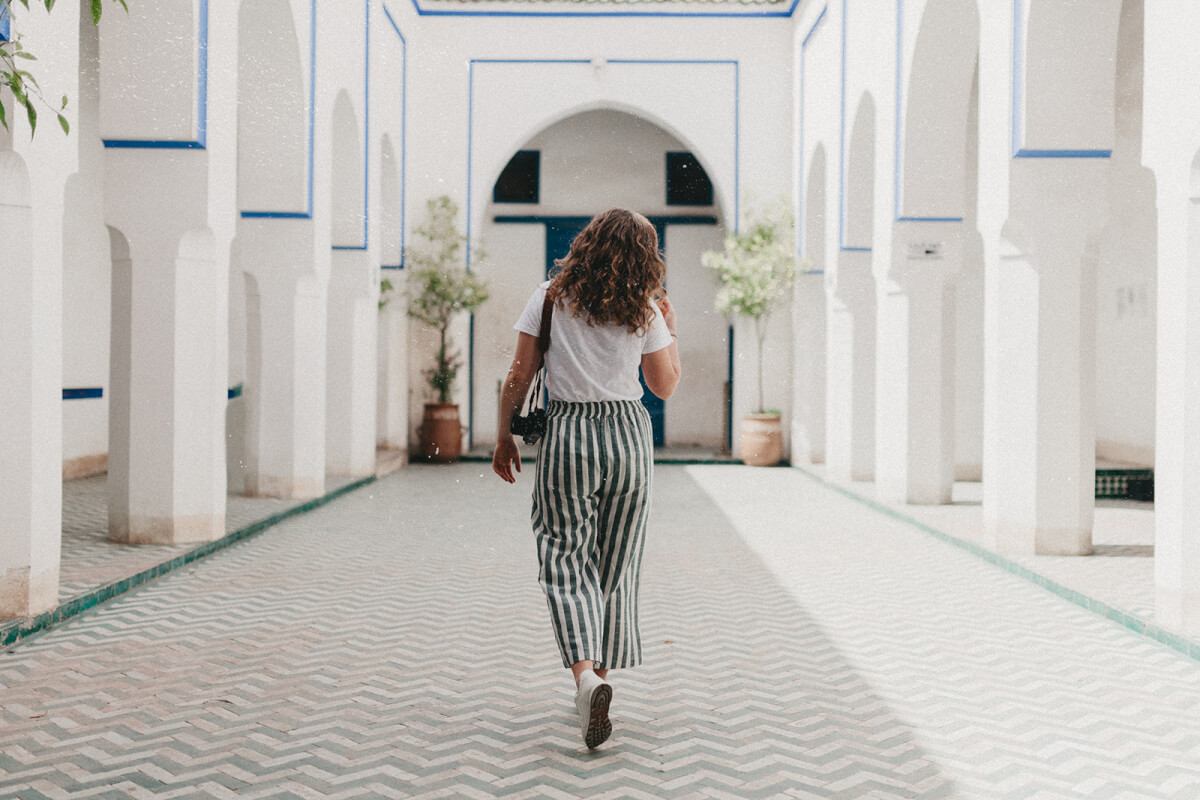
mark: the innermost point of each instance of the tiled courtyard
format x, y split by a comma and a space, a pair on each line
394, 643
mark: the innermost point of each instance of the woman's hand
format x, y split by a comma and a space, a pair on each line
668, 311
505, 458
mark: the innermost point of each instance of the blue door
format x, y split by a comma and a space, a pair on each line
559, 235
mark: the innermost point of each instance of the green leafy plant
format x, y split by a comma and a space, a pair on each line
755, 270
24, 86
440, 289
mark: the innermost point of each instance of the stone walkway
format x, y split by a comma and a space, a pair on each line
394, 643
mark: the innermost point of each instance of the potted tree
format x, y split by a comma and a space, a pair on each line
755, 270
439, 290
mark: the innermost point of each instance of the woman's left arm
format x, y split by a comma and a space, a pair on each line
524, 367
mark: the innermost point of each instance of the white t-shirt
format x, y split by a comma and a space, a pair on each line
589, 364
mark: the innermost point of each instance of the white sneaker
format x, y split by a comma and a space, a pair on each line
592, 699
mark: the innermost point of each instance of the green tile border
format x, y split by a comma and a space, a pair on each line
12, 632
1133, 622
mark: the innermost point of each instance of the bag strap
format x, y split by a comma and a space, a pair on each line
544, 330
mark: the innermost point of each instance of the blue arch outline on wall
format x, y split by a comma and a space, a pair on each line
736, 115
900, 121
312, 105
637, 14
366, 139
201, 140
803, 152
842, 154
1018, 68
403, 130
470, 138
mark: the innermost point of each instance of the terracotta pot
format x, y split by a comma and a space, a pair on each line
440, 433
762, 439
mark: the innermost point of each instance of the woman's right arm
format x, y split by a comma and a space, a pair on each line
525, 365
661, 368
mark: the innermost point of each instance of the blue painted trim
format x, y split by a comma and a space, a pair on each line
1018, 104
276, 215
856, 249
202, 68
929, 219
201, 140
656, 14
403, 130
236, 391
348, 247
1023, 153
800, 189
5, 25
391, 266
152, 144
82, 394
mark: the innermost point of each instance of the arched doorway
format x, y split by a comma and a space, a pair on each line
568, 172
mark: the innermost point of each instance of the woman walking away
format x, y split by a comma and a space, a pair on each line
591, 495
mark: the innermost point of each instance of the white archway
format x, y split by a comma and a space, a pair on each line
589, 161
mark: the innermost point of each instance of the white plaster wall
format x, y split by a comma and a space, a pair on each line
510, 103
148, 67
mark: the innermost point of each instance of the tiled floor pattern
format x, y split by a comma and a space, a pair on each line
90, 561
1120, 573
395, 644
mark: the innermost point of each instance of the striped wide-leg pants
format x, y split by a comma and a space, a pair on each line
591, 502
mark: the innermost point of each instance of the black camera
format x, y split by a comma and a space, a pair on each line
530, 427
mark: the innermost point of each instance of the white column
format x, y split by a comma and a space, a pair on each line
285, 369
808, 403
392, 409
914, 458
1177, 447
351, 383
30, 394
33, 176
1039, 428
850, 377
167, 410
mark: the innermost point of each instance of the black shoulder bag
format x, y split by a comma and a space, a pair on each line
532, 425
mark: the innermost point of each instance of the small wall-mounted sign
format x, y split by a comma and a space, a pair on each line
925, 251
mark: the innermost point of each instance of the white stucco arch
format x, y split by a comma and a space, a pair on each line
666, 94
149, 82
273, 114
721, 196
1064, 82
858, 209
932, 139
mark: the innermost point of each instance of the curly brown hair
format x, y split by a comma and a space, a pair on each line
612, 272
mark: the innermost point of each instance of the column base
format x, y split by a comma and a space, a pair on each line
289, 488
1016, 538
25, 595
1178, 611
126, 529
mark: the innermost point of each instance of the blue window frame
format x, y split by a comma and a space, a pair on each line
5, 25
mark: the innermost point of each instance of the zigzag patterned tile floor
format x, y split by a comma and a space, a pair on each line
395, 644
